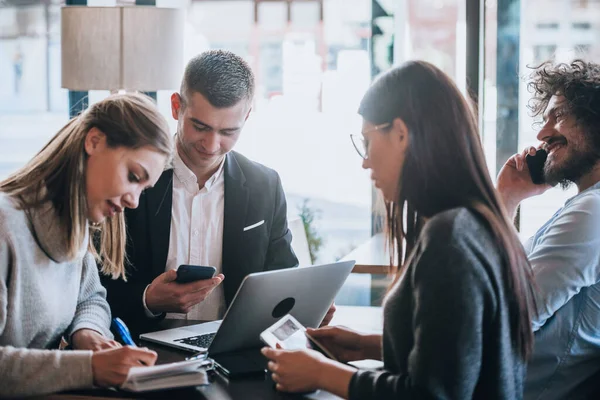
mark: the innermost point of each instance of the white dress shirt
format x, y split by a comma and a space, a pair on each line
196, 236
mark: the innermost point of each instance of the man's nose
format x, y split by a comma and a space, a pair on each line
211, 142
546, 132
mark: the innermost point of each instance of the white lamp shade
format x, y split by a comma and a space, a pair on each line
113, 48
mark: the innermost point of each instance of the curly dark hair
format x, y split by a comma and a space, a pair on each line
579, 83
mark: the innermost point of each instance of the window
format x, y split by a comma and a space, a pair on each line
582, 25
547, 25
32, 105
543, 52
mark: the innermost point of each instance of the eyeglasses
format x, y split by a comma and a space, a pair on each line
361, 144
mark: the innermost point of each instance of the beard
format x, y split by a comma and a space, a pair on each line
578, 161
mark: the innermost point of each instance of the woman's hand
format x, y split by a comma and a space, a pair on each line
294, 370
88, 339
110, 367
347, 345
307, 370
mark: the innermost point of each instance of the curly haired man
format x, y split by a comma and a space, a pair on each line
565, 252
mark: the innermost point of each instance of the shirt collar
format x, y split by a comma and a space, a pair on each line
216, 176
189, 179
593, 187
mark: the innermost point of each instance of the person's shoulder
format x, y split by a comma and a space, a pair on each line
446, 222
456, 226
588, 200
8, 206
11, 216
254, 170
579, 217
460, 238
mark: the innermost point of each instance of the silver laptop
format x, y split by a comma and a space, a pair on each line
261, 300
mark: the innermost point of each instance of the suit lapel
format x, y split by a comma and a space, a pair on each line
160, 201
235, 207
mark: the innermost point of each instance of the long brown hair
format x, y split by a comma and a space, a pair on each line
445, 168
57, 173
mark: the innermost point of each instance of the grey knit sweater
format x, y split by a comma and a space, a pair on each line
43, 297
447, 332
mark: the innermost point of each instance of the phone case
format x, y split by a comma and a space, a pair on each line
536, 166
192, 273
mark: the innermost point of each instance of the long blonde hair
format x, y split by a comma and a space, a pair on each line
57, 173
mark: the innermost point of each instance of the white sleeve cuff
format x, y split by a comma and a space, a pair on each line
149, 313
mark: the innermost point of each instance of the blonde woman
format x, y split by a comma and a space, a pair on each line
80, 182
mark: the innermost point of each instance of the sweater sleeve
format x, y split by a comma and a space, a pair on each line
27, 372
93, 312
449, 297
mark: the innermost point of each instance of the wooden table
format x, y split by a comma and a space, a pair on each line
366, 319
371, 257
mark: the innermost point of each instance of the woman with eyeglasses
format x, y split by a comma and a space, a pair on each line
76, 186
456, 319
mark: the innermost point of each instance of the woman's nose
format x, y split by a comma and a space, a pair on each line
131, 200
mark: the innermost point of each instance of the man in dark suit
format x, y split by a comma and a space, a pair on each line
214, 207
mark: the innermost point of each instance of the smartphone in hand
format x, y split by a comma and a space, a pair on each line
291, 335
191, 273
536, 166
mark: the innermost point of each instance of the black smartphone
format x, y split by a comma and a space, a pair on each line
536, 166
191, 273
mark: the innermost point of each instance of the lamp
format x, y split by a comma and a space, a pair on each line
131, 48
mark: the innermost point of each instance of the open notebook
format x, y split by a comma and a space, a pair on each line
167, 376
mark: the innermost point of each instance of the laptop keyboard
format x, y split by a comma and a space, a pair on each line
198, 341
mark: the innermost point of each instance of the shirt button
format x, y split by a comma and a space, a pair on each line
196, 232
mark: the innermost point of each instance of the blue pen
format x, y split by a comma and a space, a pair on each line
121, 329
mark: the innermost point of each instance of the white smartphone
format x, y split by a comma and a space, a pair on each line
291, 335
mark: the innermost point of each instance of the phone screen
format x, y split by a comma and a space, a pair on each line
291, 335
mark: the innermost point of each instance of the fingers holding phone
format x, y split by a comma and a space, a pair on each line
515, 182
179, 290
345, 344
535, 164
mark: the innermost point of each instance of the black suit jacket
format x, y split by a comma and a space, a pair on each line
253, 193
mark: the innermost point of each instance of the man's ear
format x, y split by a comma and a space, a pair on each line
176, 104
94, 141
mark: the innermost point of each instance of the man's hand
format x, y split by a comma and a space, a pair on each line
166, 295
88, 339
329, 316
514, 182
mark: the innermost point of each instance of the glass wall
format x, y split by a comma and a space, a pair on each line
32, 105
